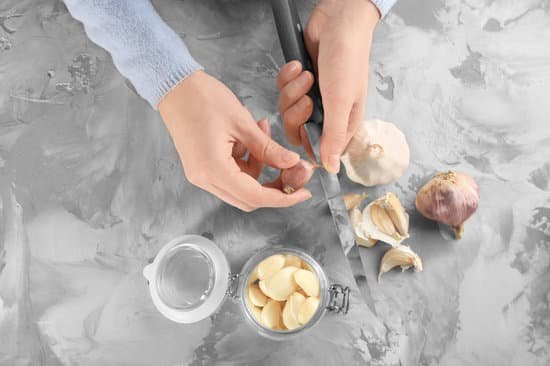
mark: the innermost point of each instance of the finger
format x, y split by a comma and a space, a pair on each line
335, 127
294, 90
311, 39
288, 72
255, 195
239, 150
264, 148
295, 117
229, 198
253, 165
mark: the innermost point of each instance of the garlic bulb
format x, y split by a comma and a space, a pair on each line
450, 198
385, 219
400, 255
378, 153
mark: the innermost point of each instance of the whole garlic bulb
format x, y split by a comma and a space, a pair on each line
450, 198
378, 153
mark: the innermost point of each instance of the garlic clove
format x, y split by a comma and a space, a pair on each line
450, 198
297, 177
308, 309
256, 296
354, 200
385, 219
377, 154
280, 285
269, 266
357, 223
307, 281
292, 261
271, 314
294, 302
401, 255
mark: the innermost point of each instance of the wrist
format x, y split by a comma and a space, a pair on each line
371, 12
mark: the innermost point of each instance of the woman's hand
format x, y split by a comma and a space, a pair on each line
338, 38
212, 132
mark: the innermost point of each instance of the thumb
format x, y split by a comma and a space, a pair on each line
264, 148
335, 128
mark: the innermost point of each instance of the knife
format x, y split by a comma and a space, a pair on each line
291, 37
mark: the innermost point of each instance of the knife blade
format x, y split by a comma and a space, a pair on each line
290, 31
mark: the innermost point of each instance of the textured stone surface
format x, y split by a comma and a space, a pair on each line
91, 188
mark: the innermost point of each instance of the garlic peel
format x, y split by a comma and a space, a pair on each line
386, 220
361, 238
354, 200
378, 153
401, 255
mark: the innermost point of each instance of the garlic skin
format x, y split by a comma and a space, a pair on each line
361, 237
386, 220
401, 255
450, 198
377, 154
354, 200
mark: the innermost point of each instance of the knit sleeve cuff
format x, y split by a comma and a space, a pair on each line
384, 6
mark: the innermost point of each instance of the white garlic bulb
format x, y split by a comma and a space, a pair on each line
378, 153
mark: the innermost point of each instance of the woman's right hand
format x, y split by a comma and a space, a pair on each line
212, 132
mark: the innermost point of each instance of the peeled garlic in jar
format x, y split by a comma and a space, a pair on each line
308, 309
293, 261
383, 219
450, 198
401, 255
271, 314
269, 266
378, 153
290, 311
307, 281
280, 285
256, 296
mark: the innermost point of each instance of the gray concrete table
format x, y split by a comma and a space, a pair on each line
92, 188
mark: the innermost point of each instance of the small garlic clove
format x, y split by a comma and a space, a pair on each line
354, 200
292, 261
294, 302
357, 223
280, 285
297, 177
290, 312
450, 198
271, 314
307, 281
401, 255
256, 296
382, 220
269, 266
397, 213
308, 309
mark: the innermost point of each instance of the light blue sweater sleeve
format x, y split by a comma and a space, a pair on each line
384, 6
143, 47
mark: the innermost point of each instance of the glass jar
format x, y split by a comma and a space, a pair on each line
190, 278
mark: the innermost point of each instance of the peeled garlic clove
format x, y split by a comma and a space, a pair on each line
307, 309
256, 296
293, 261
290, 318
269, 266
296, 177
377, 154
400, 255
253, 277
307, 281
271, 314
353, 200
294, 303
385, 219
280, 285
450, 198
361, 238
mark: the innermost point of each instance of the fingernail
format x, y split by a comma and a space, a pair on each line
290, 156
332, 165
293, 66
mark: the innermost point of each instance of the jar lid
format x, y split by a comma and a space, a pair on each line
188, 279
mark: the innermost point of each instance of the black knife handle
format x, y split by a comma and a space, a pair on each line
291, 36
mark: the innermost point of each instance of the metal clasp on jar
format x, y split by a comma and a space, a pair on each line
233, 285
339, 299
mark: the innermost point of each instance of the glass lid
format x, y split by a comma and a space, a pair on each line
188, 279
